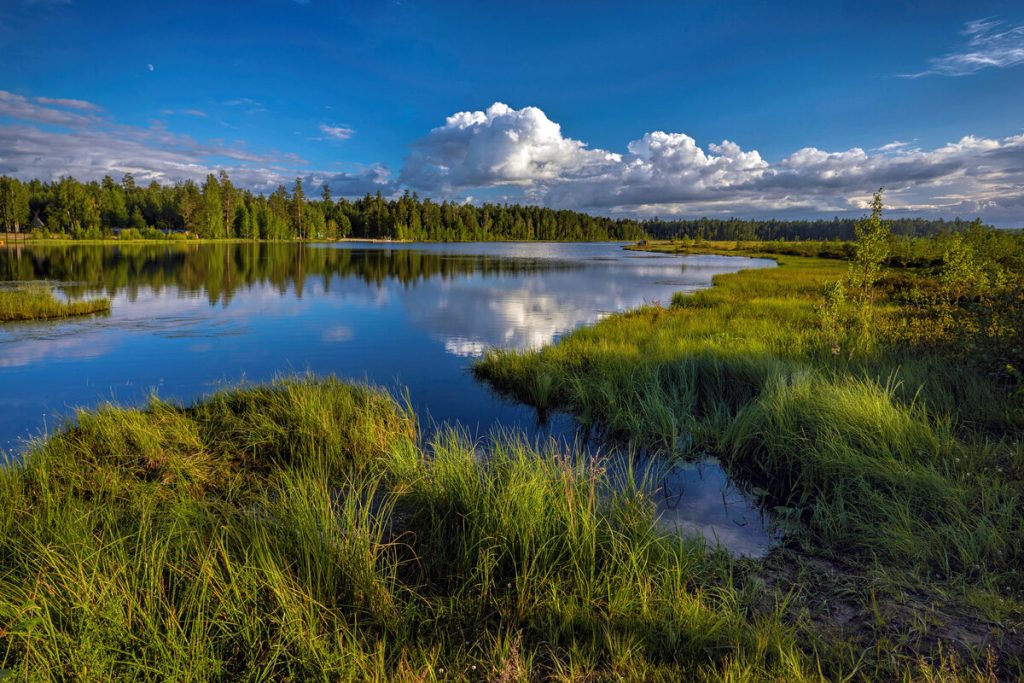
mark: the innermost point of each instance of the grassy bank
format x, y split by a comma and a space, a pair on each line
37, 302
300, 531
895, 463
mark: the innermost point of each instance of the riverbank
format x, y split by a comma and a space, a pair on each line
894, 463
39, 303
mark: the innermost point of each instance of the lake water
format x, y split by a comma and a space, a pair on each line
187, 319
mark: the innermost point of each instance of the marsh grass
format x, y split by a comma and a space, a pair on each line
301, 531
37, 302
901, 467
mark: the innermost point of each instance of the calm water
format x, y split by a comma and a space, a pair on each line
187, 319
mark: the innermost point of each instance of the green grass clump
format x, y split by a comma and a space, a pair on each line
300, 531
901, 468
38, 303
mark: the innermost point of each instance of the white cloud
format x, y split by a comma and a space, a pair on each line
670, 173
68, 103
989, 44
894, 146
198, 113
25, 109
498, 146
337, 132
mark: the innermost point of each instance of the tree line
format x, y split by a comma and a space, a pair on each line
793, 230
217, 209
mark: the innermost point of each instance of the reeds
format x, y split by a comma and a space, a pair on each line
37, 302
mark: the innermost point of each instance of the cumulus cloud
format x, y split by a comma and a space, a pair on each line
990, 43
337, 132
47, 142
498, 146
670, 173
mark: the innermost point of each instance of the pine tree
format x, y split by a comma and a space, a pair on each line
298, 201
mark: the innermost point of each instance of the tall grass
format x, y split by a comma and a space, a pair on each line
300, 531
37, 302
903, 466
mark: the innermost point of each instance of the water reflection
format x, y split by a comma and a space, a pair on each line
188, 318
698, 499
695, 499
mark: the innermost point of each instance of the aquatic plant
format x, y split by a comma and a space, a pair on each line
37, 302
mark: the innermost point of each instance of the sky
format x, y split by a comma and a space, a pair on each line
750, 109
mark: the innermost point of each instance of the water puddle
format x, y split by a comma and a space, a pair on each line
698, 499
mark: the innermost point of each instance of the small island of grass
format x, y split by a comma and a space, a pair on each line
37, 302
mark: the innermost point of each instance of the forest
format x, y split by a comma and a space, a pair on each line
217, 209
791, 230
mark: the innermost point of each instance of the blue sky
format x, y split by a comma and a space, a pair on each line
700, 108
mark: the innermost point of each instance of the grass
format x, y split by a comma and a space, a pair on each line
300, 531
898, 472
36, 302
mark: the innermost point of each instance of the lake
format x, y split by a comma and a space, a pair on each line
187, 319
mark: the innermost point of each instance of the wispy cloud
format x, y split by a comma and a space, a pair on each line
246, 104
68, 103
894, 146
337, 132
35, 110
990, 43
198, 113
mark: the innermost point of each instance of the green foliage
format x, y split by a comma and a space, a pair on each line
773, 229
871, 250
14, 208
969, 266
834, 316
